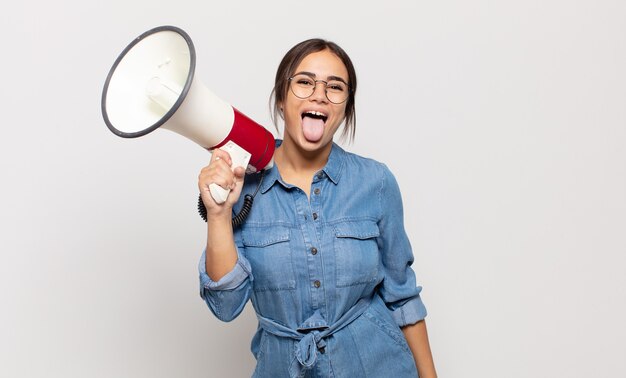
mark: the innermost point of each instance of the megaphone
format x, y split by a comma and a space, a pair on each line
151, 85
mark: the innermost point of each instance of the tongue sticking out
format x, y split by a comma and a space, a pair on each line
313, 128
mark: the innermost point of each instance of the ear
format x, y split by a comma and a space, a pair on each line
281, 112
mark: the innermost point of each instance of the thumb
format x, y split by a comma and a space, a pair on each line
239, 172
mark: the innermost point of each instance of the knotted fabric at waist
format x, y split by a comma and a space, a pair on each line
310, 342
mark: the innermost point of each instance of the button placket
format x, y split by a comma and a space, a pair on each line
313, 225
311, 234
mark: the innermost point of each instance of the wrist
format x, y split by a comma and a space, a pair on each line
220, 216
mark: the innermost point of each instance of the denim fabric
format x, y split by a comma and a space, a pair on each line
305, 263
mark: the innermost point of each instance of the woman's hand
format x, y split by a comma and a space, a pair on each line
219, 172
221, 253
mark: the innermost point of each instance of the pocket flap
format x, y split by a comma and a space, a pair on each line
264, 236
357, 230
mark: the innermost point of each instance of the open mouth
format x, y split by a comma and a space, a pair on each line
315, 115
313, 125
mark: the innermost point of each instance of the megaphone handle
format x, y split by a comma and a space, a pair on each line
218, 193
240, 158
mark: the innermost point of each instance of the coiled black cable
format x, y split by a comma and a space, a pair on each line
240, 217
245, 210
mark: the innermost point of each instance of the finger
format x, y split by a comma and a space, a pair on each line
239, 172
218, 154
224, 182
219, 174
215, 169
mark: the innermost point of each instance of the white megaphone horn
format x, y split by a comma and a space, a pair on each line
151, 85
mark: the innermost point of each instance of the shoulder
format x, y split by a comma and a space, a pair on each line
373, 178
365, 167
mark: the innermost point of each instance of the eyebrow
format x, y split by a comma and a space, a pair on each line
332, 77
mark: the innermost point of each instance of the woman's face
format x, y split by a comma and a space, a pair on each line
311, 123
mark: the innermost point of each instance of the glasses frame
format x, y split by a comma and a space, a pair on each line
315, 87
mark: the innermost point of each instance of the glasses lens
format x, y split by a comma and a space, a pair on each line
336, 91
303, 86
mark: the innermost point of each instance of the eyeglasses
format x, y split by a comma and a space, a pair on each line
303, 86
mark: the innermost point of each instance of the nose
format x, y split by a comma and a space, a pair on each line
319, 93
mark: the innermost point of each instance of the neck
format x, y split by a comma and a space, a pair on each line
290, 157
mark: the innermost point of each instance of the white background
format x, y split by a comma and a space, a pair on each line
504, 122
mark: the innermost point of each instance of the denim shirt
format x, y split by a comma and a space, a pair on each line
329, 276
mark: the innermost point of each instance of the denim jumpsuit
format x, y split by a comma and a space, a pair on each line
329, 276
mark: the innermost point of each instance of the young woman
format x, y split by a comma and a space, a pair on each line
323, 254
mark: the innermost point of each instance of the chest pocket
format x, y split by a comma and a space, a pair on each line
268, 250
356, 252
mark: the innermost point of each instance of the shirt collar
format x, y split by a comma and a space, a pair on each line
332, 169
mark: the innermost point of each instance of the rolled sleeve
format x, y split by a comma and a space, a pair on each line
228, 296
230, 281
410, 313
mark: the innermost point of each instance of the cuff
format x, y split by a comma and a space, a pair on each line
231, 280
410, 313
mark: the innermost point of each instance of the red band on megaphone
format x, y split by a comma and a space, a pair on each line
253, 138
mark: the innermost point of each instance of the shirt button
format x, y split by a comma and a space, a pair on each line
314, 216
320, 175
317, 284
317, 191
314, 251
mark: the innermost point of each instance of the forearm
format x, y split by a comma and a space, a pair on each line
221, 252
417, 337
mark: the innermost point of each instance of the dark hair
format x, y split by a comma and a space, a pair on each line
287, 68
